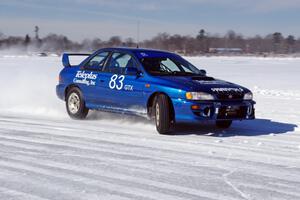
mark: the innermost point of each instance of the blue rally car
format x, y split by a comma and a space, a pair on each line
157, 84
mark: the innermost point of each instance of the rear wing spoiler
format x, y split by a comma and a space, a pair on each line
66, 60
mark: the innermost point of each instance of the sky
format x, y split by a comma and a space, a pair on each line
80, 19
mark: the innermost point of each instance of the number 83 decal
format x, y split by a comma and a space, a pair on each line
116, 82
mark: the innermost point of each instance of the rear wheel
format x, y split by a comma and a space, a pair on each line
75, 104
162, 114
223, 123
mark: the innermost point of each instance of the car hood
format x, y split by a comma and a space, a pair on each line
204, 84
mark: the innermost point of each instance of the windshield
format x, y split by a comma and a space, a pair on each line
169, 65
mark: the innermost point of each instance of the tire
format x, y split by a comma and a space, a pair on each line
223, 124
75, 104
162, 114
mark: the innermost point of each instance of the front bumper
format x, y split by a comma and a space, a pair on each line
213, 110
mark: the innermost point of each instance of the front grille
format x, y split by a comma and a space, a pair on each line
232, 112
229, 95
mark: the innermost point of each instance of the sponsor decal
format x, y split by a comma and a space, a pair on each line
128, 87
227, 89
144, 54
117, 82
86, 78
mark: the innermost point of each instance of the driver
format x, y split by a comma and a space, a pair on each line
152, 65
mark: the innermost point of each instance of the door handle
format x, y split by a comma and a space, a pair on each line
101, 81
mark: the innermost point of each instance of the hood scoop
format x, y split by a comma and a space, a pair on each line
202, 78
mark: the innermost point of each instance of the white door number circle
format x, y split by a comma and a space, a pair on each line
116, 82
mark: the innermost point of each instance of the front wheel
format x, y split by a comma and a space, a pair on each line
162, 114
75, 104
223, 123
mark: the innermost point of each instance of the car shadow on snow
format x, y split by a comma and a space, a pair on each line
239, 128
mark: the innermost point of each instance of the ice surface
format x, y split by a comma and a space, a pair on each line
46, 155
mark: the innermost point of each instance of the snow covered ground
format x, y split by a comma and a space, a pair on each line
46, 155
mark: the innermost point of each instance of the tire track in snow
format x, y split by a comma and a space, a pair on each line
197, 155
194, 147
58, 164
204, 145
34, 145
7, 194
138, 135
138, 189
121, 155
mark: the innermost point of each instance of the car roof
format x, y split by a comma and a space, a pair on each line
141, 53
133, 50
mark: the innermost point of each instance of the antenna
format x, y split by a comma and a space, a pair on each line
138, 34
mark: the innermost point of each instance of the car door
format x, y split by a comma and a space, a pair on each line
89, 78
124, 91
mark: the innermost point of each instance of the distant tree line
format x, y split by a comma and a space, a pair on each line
202, 43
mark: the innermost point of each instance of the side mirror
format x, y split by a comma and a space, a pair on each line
203, 72
132, 71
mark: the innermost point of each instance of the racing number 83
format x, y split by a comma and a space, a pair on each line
116, 82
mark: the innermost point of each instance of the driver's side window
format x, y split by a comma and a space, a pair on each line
97, 62
169, 65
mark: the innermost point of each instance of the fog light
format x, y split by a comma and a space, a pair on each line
195, 107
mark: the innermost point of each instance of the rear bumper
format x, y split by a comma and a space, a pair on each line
213, 110
60, 91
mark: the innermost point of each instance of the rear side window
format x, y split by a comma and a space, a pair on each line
118, 63
97, 62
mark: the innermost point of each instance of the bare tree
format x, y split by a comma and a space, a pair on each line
277, 39
27, 40
202, 41
290, 40
183, 44
129, 42
36, 31
114, 41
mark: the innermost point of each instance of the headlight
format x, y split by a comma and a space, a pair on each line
199, 96
248, 96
